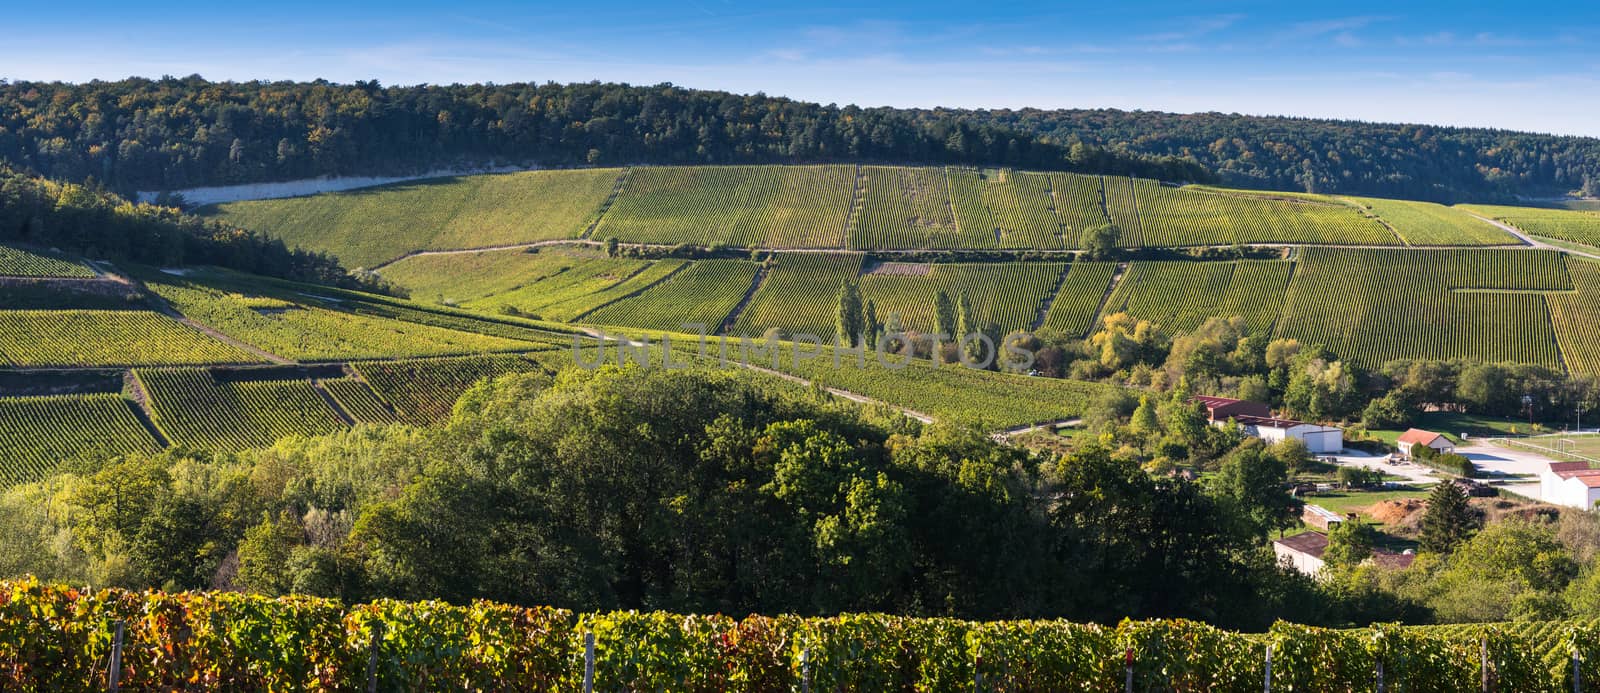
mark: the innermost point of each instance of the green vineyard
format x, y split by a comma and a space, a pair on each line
850, 207
1171, 217
65, 338
769, 206
557, 283
1577, 226
358, 400
1574, 317
1122, 208
800, 294
908, 208
1006, 294
1179, 296
16, 262
38, 433
365, 228
313, 327
1076, 305
1015, 208
424, 391
1429, 224
703, 293
1370, 306
199, 409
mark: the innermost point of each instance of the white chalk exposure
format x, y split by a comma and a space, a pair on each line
199, 197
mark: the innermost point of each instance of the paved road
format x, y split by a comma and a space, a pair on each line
1530, 240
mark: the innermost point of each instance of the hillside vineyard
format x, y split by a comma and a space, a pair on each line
505, 271
840, 207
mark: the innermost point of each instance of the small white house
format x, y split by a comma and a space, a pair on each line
1319, 440
1303, 552
1572, 484
1417, 436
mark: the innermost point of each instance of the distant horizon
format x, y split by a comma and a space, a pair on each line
1495, 66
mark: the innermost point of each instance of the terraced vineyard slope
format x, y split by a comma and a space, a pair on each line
424, 391
909, 208
367, 227
769, 206
359, 401
37, 433
1008, 294
65, 338
212, 410
1575, 317
1429, 224
1577, 226
1077, 303
16, 262
1370, 306
311, 327
1179, 296
558, 283
1016, 208
703, 293
1191, 216
799, 294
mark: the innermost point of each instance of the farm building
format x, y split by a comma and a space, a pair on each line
1319, 440
1417, 436
1320, 517
1223, 408
1257, 420
1302, 551
1572, 484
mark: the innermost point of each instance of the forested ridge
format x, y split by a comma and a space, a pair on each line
96, 222
1445, 164
168, 134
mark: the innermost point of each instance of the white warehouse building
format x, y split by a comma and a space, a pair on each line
1319, 440
1572, 484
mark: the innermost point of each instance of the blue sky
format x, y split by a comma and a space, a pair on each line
1521, 66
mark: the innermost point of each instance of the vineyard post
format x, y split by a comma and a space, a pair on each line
588, 662
372, 657
805, 670
1483, 661
1127, 666
1577, 672
1380, 676
1267, 687
114, 675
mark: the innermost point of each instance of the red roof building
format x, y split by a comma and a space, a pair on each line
1224, 408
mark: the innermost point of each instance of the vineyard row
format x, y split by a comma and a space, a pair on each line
59, 638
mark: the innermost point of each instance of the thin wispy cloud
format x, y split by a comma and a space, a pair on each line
1192, 28
1324, 28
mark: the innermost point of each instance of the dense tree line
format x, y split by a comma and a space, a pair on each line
1223, 357
1446, 164
684, 490
167, 134
89, 220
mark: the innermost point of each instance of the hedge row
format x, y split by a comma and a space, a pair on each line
58, 638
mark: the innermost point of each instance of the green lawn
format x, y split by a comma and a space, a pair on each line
1355, 501
1453, 424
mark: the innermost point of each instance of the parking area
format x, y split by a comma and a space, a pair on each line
1508, 468
1412, 473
